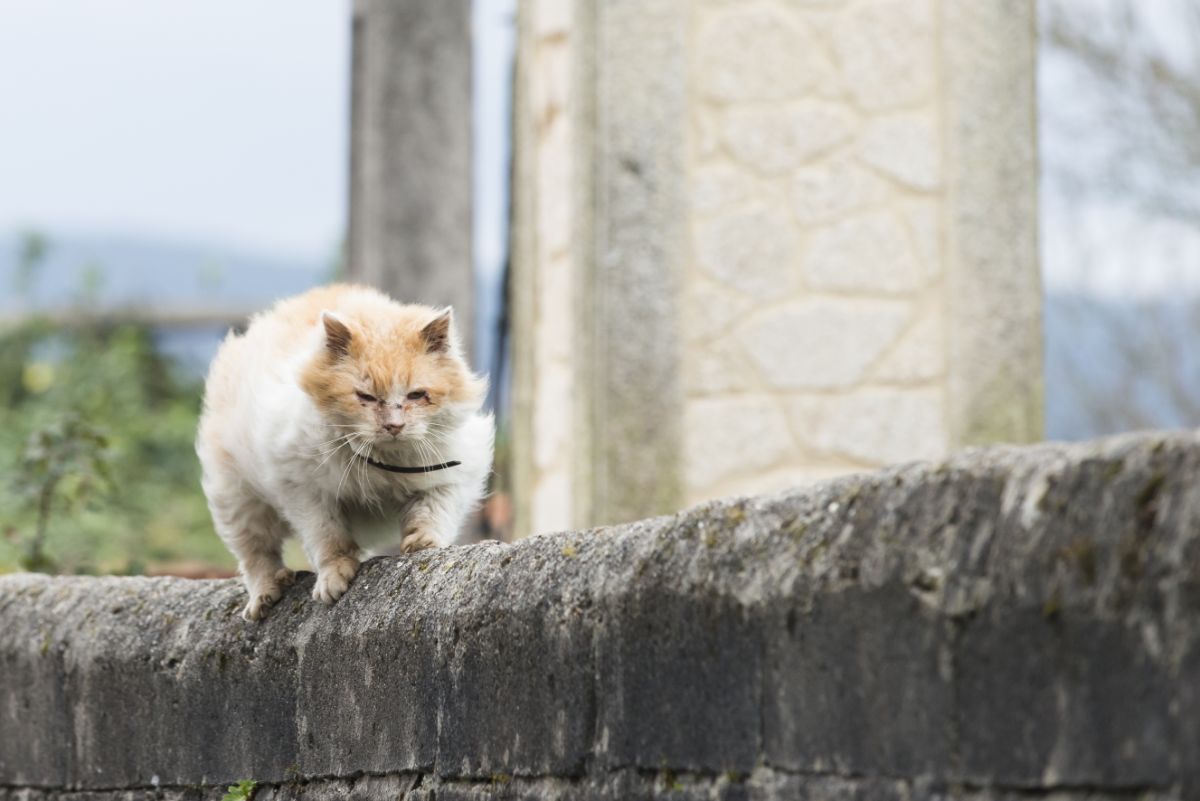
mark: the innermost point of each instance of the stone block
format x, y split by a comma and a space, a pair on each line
1027, 713
867, 253
823, 344
517, 695
886, 51
752, 250
829, 190
855, 685
776, 139
732, 436
679, 675
718, 187
919, 356
881, 426
906, 148
755, 53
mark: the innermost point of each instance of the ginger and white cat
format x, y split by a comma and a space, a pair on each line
349, 420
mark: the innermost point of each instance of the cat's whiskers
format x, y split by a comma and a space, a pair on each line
322, 447
329, 454
355, 447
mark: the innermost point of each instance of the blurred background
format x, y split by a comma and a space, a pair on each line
166, 171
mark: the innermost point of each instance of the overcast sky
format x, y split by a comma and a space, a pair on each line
221, 121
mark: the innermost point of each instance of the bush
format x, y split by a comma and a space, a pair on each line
96, 433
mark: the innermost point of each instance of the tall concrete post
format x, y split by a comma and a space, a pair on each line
410, 164
758, 244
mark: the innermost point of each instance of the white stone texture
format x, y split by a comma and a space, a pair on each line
868, 253
825, 290
734, 436
753, 251
824, 192
710, 312
823, 344
550, 504
772, 139
878, 426
886, 50
920, 356
904, 147
706, 133
779, 478
923, 216
719, 367
718, 187
758, 53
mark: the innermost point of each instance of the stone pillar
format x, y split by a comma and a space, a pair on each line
410, 165
759, 244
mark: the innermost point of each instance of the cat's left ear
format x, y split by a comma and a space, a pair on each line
337, 334
437, 333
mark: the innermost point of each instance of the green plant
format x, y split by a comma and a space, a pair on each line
97, 467
242, 791
63, 466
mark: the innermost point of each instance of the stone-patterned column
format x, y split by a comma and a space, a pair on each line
858, 280
599, 250
864, 284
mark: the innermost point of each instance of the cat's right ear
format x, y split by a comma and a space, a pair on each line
337, 334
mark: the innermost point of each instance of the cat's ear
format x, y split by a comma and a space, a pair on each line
337, 334
437, 333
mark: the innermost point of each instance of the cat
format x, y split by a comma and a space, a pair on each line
348, 419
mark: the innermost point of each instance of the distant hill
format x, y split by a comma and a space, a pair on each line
129, 272
121, 272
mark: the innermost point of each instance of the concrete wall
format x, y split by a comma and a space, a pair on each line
768, 242
410, 168
1009, 624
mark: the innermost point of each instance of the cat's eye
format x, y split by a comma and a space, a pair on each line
365, 398
418, 394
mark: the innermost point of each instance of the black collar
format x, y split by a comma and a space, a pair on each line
391, 468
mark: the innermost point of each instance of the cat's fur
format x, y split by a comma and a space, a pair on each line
292, 405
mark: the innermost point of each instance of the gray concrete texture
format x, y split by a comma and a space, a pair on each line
1011, 623
410, 168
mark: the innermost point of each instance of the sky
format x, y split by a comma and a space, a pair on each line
216, 121
1104, 243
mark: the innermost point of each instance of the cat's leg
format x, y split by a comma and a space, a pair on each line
255, 534
433, 519
328, 544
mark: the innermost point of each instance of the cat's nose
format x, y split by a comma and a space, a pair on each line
393, 428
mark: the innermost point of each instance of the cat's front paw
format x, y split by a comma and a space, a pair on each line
418, 539
333, 579
265, 592
256, 608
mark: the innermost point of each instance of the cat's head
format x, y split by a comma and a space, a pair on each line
390, 374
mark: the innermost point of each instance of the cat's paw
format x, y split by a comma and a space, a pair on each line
418, 539
333, 579
259, 603
264, 592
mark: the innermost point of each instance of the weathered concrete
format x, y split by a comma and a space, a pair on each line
410, 165
1012, 623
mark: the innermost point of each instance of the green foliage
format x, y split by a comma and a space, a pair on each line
96, 433
242, 791
63, 465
